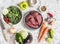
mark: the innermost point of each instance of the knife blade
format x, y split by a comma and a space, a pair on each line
4, 31
2, 25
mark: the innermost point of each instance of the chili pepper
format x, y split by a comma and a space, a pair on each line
6, 20
50, 15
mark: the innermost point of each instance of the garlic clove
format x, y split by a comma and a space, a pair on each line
12, 30
51, 23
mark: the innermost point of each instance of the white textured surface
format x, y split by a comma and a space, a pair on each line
52, 6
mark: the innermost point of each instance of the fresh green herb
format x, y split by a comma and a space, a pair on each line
14, 15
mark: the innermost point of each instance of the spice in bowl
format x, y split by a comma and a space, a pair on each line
42, 8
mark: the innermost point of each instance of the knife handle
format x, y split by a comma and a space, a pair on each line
5, 35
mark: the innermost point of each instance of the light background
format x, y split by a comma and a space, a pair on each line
53, 6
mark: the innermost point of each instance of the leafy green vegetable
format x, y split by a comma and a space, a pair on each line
19, 38
14, 15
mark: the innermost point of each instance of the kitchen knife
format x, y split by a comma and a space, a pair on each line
4, 31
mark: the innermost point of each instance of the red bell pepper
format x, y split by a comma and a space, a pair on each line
6, 20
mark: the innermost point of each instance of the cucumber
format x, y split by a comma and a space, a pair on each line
19, 38
48, 40
51, 33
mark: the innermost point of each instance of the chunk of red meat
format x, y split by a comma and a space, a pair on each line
31, 25
33, 21
39, 19
34, 13
28, 17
